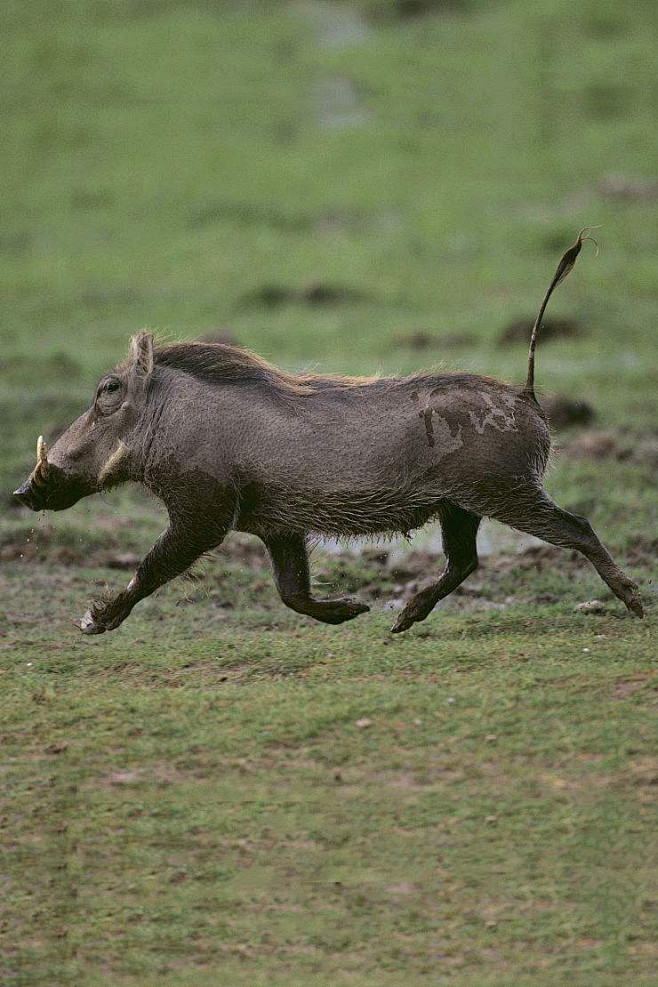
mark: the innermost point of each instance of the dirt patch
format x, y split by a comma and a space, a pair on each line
538, 557
404, 10
616, 446
519, 330
563, 412
642, 772
15, 548
598, 445
376, 575
316, 295
626, 687
626, 189
426, 339
61, 548
64, 548
642, 551
249, 552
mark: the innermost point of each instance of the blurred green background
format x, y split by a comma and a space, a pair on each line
378, 185
345, 186
190, 166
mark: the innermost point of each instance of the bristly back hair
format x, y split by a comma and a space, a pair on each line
222, 363
564, 268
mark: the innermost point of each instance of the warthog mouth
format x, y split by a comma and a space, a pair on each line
49, 487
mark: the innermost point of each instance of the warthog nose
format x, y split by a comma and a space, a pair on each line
25, 494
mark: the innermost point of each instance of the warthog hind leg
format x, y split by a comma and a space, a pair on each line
289, 559
534, 512
459, 531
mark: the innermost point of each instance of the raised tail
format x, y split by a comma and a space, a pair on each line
563, 269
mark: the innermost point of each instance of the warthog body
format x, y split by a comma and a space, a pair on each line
228, 441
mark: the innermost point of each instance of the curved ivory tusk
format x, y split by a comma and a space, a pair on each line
42, 453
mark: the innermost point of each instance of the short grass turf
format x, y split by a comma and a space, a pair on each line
221, 791
258, 799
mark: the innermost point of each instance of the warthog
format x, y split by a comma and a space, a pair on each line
228, 441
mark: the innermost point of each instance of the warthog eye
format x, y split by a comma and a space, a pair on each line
108, 393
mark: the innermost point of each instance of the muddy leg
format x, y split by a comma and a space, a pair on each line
459, 530
290, 566
538, 515
175, 550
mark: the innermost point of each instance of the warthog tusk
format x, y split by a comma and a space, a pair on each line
42, 454
118, 456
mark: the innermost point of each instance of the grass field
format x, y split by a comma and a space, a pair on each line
222, 792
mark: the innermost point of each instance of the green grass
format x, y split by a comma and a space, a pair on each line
177, 802
190, 800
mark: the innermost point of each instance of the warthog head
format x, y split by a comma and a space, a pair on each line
92, 455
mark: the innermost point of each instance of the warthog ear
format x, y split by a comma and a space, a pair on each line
141, 353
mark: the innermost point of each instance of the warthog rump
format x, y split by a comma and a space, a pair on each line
228, 441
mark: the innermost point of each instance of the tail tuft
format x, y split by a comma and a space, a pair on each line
564, 268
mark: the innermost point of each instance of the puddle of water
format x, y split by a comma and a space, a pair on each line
493, 539
336, 104
337, 25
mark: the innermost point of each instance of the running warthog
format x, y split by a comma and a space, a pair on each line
228, 441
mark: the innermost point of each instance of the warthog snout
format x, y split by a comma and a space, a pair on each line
48, 487
24, 494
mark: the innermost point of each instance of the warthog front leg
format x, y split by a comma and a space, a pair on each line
289, 558
459, 531
176, 549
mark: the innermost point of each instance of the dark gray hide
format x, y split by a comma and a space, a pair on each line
227, 441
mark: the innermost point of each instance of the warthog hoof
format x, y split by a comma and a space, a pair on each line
338, 611
88, 625
417, 609
627, 591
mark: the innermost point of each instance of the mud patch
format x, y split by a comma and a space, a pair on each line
315, 295
423, 340
249, 552
539, 557
642, 772
563, 412
643, 551
15, 547
105, 549
519, 330
337, 104
615, 446
626, 687
394, 577
405, 10
337, 25
626, 189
